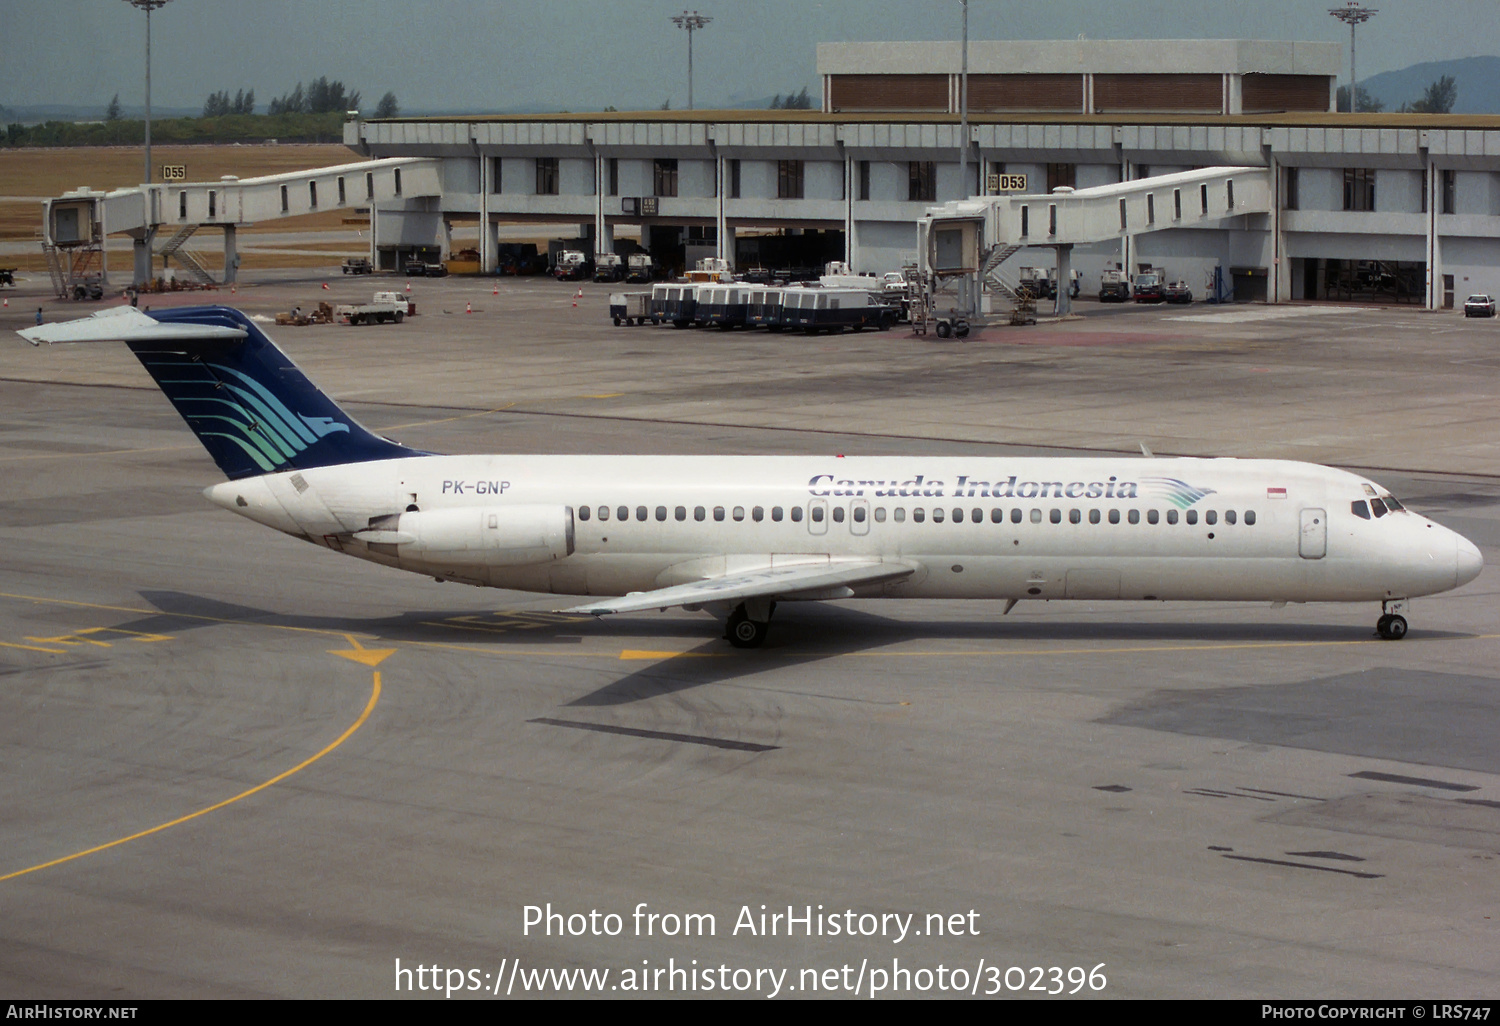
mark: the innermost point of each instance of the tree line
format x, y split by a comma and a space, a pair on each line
1438, 98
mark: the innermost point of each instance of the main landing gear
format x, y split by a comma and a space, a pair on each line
748, 623
1392, 625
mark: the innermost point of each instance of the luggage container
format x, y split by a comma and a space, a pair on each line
630, 307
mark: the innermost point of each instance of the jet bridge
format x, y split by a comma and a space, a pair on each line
961, 245
75, 224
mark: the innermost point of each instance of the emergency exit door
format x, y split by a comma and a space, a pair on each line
1313, 543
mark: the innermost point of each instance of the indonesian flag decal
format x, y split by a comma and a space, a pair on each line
1275, 493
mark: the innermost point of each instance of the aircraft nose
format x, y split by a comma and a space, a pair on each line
1468, 563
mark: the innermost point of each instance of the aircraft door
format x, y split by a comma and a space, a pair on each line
1313, 543
817, 516
859, 517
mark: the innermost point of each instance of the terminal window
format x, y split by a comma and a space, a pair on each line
921, 181
1359, 188
1061, 175
546, 176
665, 178
789, 179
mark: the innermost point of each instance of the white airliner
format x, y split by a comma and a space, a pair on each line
735, 535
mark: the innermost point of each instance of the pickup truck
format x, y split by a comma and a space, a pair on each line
386, 306
422, 269
358, 265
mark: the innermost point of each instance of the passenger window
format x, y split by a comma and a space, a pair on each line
1135, 516
976, 515
623, 513
1015, 516
1249, 518
838, 515
661, 514
937, 515
1114, 516
1055, 516
776, 513
1036, 516
958, 514
1229, 516
796, 514
997, 516
817, 514
1171, 516
719, 514
917, 516
641, 512
880, 514
859, 514
681, 513
1075, 516
1094, 517
583, 512
1152, 516
1192, 516
758, 514
739, 513
699, 513
603, 512
1378, 507
1211, 517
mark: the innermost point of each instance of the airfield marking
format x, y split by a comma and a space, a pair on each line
361, 654
186, 616
101, 452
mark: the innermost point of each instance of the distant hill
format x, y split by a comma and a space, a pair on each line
1478, 81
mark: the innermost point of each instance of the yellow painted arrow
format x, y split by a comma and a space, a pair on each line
368, 656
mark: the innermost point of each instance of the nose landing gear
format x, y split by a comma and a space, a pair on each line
1392, 625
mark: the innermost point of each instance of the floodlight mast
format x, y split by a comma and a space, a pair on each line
1353, 15
692, 22
148, 6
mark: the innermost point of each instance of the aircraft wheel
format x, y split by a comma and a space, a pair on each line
744, 632
1391, 627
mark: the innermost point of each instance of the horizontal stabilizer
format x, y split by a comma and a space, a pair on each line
125, 324
786, 582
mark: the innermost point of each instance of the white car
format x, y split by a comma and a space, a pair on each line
1479, 306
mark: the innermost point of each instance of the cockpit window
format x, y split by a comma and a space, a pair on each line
1392, 505
1378, 507
1359, 509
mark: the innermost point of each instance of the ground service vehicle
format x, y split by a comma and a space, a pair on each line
573, 265
638, 268
630, 307
609, 267
385, 307
1113, 287
1149, 288
1178, 292
674, 302
358, 265
813, 308
424, 269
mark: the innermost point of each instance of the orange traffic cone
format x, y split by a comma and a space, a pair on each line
468, 308
325, 284
576, 297
7, 302
495, 291
408, 286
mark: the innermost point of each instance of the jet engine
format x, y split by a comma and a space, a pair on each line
474, 535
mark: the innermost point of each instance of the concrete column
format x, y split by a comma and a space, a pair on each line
723, 249
1281, 267
850, 252
447, 241
487, 248
231, 255
1434, 249
1127, 242
1064, 305
603, 237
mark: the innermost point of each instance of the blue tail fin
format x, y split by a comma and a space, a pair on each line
251, 407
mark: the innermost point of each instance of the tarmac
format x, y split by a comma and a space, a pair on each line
236, 766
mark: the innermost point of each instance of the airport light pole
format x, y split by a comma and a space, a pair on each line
1353, 15
148, 6
692, 22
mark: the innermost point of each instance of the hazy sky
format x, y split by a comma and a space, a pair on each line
586, 54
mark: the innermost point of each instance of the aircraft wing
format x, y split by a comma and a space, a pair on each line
806, 580
124, 324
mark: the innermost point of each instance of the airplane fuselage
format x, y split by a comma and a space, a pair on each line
1026, 528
